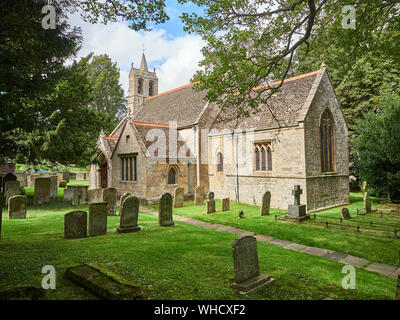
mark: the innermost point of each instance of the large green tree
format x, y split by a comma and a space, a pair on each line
107, 93
377, 147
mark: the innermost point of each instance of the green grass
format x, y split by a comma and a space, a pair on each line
373, 248
179, 262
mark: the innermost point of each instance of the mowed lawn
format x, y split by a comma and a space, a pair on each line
179, 262
374, 248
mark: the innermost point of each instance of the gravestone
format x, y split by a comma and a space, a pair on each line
247, 270
11, 185
11, 193
97, 219
266, 202
110, 196
63, 184
345, 213
210, 207
165, 210
296, 210
225, 204
17, 206
79, 195
31, 179
42, 191
366, 199
68, 194
95, 195
75, 225
178, 197
22, 178
121, 200
53, 187
129, 215
63, 176
199, 196
80, 176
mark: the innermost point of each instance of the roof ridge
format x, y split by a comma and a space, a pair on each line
300, 76
152, 124
173, 90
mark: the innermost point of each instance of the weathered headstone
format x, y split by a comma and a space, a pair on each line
266, 202
95, 195
210, 207
366, 199
199, 196
11, 192
296, 210
225, 204
110, 196
247, 270
17, 206
68, 194
53, 187
165, 210
345, 213
22, 178
63, 176
121, 200
97, 219
75, 225
178, 197
42, 191
80, 195
11, 185
129, 212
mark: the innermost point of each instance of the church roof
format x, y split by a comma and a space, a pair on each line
182, 105
286, 104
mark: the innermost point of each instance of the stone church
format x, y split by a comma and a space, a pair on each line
176, 138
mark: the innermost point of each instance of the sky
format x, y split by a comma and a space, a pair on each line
168, 48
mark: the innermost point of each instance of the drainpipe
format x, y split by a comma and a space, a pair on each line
197, 133
189, 177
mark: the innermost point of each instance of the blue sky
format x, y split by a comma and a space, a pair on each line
173, 52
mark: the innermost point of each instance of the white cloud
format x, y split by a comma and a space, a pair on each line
175, 58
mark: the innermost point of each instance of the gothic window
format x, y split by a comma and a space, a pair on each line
151, 88
128, 168
171, 176
140, 86
263, 157
327, 142
220, 160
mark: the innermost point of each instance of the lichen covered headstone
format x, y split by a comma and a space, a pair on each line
265, 205
210, 206
178, 197
42, 191
75, 225
129, 213
17, 206
225, 204
110, 196
165, 218
97, 218
199, 196
345, 213
122, 199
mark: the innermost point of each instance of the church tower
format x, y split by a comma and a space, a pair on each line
142, 84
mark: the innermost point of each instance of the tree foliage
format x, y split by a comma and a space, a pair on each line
377, 147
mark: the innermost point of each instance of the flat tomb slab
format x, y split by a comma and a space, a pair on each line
102, 285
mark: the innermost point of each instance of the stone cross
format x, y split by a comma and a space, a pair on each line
296, 192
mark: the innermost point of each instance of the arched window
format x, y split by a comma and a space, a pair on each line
171, 176
151, 88
327, 142
140, 86
269, 156
263, 160
257, 156
220, 162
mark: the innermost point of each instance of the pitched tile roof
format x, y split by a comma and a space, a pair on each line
286, 104
182, 105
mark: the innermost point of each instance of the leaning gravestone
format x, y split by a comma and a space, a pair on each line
75, 225
178, 197
296, 210
42, 191
121, 200
95, 195
17, 206
366, 199
97, 219
199, 196
225, 204
110, 196
266, 202
129, 215
165, 210
345, 213
210, 208
245, 262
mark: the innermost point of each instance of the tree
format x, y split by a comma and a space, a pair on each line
377, 147
250, 43
107, 93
